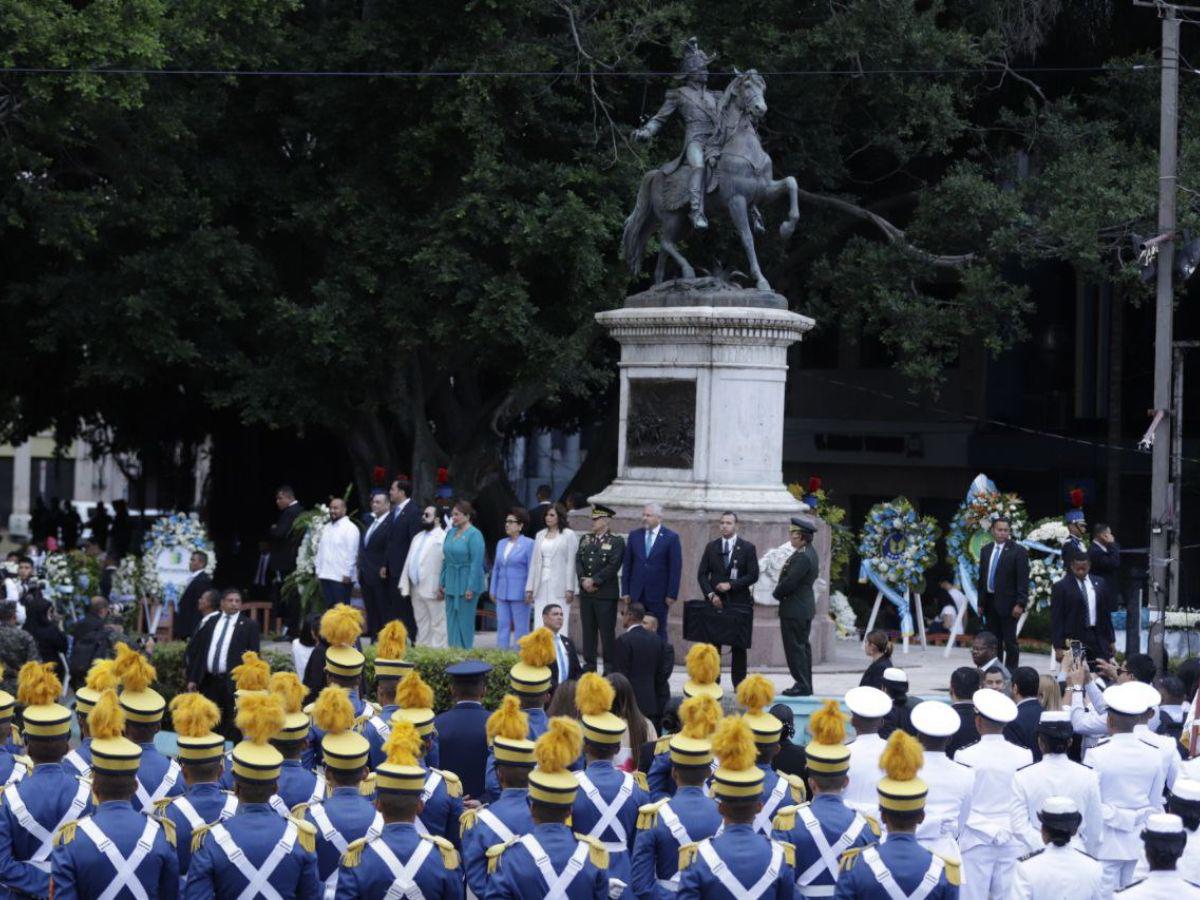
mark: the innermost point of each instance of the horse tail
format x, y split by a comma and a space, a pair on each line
639, 225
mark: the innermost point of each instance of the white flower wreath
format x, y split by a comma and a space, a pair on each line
180, 531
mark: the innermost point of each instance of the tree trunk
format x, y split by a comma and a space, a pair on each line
369, 444
599, 467
1116, 331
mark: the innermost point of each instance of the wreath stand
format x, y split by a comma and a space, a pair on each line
914, 606
957, 628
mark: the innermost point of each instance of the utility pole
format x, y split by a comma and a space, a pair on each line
1181, 348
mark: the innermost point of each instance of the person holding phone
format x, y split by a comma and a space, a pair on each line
1081, 609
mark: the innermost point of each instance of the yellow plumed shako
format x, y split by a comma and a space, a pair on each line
737, 777
692, 746
140, 702
401, 773
594, 697
415, 701
755, 693
551, 782
195, 717
291, 692
342, 626
101, 677
38, 690
341, 747
259, 718
531, 675
253, 675
901, 790
112, 752
827, 752
704, 670
508, 733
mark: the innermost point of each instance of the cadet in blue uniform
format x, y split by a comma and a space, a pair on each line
740, 863
51, 795
704, 673
442, 797
297, 785
158, 775
103, 854
462, 729
251, 677
900, 862
399, 861
341, 626
347, 814
550, 860
530, 681
508, 816
390, 667
688, 816
13, 766
822, 829
102, 676
606, 807
1076, 523
779, 789
255, 847
200, 754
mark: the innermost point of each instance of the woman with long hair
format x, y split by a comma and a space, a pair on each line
562, 701
1049, 694
638, 729
552, 577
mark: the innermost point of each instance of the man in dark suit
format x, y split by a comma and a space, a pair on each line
798, 606
462, 729
403, 524
652, 566
1105, 557
728, 569
1023, 729
1004, 589
372, 563
566, 660
284, 546
92, 640
537, 514
964, 682
220, 643
1081, 608
640, 657
188, 615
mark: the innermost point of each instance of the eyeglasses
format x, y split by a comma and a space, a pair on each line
511, 522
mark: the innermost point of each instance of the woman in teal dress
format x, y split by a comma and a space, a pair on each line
462, 575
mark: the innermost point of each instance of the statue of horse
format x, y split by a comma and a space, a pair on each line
741, 179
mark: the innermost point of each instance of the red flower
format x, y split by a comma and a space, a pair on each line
814, 484
443, 475
1077, 497
378, 475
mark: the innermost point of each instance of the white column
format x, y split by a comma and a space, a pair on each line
22, 462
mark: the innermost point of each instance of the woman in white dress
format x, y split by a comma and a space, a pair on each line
552, 577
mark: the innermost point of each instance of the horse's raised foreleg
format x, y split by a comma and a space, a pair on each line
773, 190
741, 221
673, 227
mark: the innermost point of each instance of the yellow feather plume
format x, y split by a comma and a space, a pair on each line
594, 695
290, 690
254, 674
700, 716
194, 715
342, 625
393, 641
755, 693
508, 721
703, 664
133, 669
413, 692
37, 684
259, 717
902, 758
333, 712
106, 719
102, 676
559, 746
404, 745
537, 648
828, 724
733, 744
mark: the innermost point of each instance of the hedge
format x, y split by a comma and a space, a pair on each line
432, 662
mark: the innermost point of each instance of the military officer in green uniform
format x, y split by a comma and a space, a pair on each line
797, 606
597, 563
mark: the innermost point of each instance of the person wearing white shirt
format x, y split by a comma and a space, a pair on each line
552, 575
867, 707
951, 784
419, 580
337, 555
1058, 870
1166, 745
1185, 803
1164, 840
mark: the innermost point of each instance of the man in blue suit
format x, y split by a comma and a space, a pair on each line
403, 523
372, 564
653, 561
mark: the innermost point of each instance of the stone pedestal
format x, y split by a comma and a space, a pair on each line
703, 370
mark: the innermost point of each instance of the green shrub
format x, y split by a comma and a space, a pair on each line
432, 663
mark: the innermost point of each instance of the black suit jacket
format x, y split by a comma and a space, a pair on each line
1106, 562
967, 733
402, 527
188, 615
245, 637
372, 555
1012, 578
537, 519
283, 543
640, 656
743, 559
1069, 618
1023, 729
574, 668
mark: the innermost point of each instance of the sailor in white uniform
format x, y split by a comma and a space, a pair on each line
1058, 870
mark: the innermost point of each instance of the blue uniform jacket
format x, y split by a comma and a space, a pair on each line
442, 812
80, 759
298, 785
512, 809
658, 778
376, 732
351, 814
538, 723
152, 770
656, 849
908, 862
208, 800
311, 758
608, 780
776, 797
517, 878
256, 830
746, 855
8, 762
370, 876
80, 871
463, 730
834, 817
47, 793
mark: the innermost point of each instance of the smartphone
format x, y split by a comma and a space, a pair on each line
1077, 653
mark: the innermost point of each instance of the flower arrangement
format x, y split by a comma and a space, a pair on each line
1043, 572
127, 581
59, 579
178, 530
302, 584
899, 544
969, 527
843, 616
841, 538
1050, 531
69, 579
1181, 618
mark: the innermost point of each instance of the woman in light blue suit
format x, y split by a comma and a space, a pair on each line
509, 572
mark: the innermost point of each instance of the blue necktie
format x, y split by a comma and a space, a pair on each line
991, 582
649, 541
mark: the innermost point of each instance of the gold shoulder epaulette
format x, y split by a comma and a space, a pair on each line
449, 854
26, 762
789, 852
494, 852
453, 784
198, 837
648, 814
639, 778
361, 720
160, 806
65, 834
366, 787
353, 855
307, 833
466, 822
799, 792
873, 824
298, 811
663, 744
849, 858
168, 828
953, 871
687, 854
785, 817
597, 852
